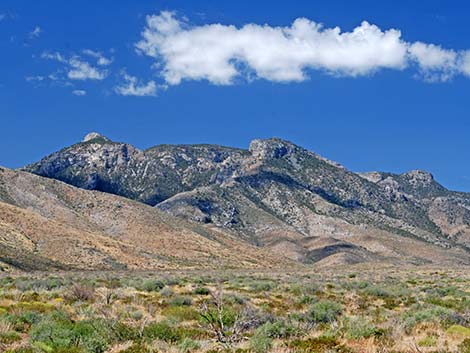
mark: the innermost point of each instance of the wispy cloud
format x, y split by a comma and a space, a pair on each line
79, 92
37, 78
222, 53
35, 33
132, 86
82, 70
101, 59
76, 67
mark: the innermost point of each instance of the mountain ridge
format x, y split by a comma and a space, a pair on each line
274, 194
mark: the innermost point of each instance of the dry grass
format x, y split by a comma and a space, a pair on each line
353, 310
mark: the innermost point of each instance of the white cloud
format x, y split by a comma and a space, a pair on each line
79, 92
221, 53
53, 56
132, 87
101, 59
37, 78
82, 70
77, 68
438, 64
35, 33
464, 62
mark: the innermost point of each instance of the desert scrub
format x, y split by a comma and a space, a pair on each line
57, 332
188, 345
9, 337
151, 285
260, 342
277, 329
162, 331
166, 292
80, 292
181, 301
325, 311
360, 327
296, 313
201, 290
319, 344
137, 348
428, 341
181, 313
262, 286
458, 331
417, 315
23, 320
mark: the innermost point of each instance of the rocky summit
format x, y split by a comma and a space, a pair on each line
275, 201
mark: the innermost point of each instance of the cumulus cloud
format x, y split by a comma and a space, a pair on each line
435, 63
133, 87
77, 68
222, 53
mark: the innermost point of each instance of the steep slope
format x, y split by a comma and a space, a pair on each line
279, 196
150, 176
45, 223
448, 210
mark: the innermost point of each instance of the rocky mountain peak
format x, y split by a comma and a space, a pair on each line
271, 148
419, 177
93, 136
275, 188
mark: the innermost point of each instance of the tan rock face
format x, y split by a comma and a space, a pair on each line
48, 224
92, 136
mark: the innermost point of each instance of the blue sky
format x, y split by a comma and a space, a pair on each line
71, 67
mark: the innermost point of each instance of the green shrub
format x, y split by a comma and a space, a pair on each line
377, 291
122, 332
324, 311
188, 345
161, 331
359, 327
152, 285
181, 301
319, 344
262, 286
278, 329
9, 337
181, 313
92, 336
166, 292
306, 299
459, 331
201, 291
260, 342
428, 341
23, 320
57, 332
418, 315
22, 350
228, 314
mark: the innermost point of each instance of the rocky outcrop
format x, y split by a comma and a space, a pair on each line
272, 189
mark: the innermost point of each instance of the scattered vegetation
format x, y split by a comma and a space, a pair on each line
408, 312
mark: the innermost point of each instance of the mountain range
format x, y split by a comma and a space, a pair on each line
101, 204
